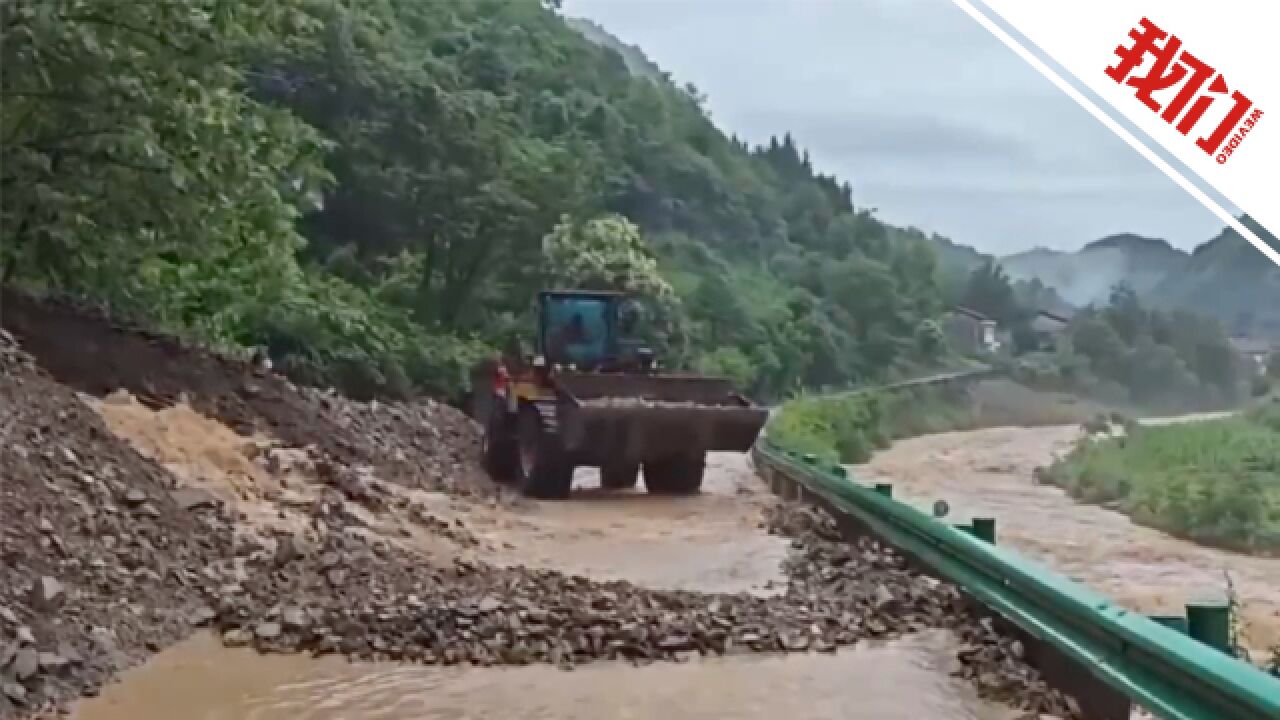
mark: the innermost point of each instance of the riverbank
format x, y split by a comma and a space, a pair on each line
1214, 481
991, 473
849, 428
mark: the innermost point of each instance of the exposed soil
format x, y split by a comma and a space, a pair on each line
100, 559
303, 531
424, 444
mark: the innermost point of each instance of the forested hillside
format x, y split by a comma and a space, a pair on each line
1228, 278
374, 189
1225, 278
1088, 275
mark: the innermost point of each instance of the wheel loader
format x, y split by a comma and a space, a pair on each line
590, 396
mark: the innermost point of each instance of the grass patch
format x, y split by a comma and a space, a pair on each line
849, 428
835, 428
1216, 482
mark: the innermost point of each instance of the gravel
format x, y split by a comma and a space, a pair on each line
106, 561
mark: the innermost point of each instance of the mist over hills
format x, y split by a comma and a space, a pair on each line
1225, 277
1087, 275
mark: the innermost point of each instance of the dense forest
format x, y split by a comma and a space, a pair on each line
373, 190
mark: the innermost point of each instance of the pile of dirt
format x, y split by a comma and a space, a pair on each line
99, 552
422, 444
271, 488
110, 553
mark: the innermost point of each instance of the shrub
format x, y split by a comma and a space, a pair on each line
1216, 482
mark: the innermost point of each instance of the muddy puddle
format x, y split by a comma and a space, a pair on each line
712, 542
200, 680
989, 473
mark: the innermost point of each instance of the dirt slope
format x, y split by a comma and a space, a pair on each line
100, 559
424, 444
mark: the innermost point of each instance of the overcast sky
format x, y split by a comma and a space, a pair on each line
930, 118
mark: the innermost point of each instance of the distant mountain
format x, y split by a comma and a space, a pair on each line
957, 262
1087, 276
954, 258
1228, 278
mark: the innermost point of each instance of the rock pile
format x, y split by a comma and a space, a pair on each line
993, 661
422, 444
364, 598
98, 559
105, 560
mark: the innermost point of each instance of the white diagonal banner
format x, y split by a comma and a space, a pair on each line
1195, 78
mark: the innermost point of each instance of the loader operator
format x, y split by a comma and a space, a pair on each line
571, 333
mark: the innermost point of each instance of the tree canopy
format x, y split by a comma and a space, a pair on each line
375, 189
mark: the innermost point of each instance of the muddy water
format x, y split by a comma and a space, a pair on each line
200, 681
711, 542
989, 473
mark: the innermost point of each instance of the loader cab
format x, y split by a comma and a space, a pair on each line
591, 330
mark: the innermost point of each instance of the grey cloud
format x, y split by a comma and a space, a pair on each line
930, 118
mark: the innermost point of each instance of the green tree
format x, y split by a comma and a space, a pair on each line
730, 363
134, 167
990, 293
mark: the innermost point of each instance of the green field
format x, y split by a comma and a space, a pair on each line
1216, 482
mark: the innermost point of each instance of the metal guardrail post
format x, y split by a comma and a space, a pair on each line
984, 528
1210, 623
885, 489
1103, 654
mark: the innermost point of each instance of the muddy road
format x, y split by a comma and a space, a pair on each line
989, 473
713, 542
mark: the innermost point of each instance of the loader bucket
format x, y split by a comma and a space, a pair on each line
639, 418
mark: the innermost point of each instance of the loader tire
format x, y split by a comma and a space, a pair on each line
544, 471
619, 477
675, 476
501, 448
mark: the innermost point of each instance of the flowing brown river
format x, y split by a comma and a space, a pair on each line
712, 542
989, 473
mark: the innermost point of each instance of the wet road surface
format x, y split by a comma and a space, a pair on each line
712, 542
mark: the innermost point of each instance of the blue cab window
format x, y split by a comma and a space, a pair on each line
586, 343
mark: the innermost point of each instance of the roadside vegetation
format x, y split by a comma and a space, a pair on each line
374, 191
1216, 482
849, 428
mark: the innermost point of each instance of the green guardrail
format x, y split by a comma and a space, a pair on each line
1157, 666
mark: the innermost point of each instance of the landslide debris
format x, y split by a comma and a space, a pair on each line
421, 444
99, 559
823, 564
108, 557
